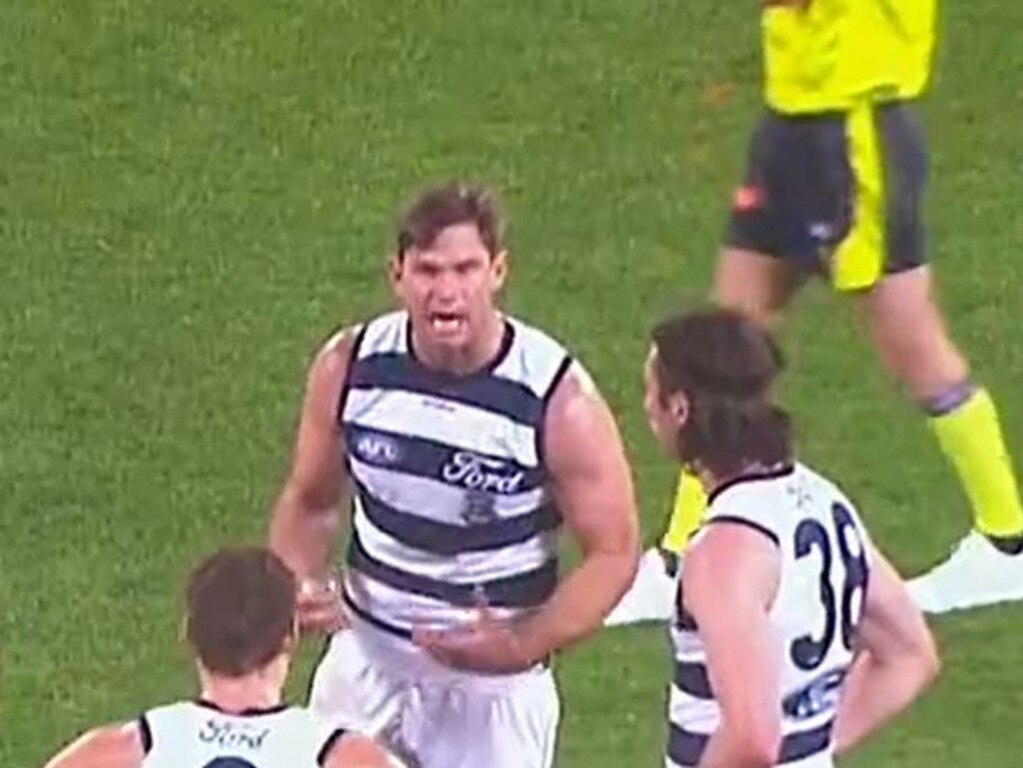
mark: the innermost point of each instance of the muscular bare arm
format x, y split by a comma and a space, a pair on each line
592, 486
113, 746
896, 662
305, 518
731, 577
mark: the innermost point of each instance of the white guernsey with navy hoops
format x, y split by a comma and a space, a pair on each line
200, 735
824, 573
450, 508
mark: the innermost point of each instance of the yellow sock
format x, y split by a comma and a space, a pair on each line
686, 514
971, 437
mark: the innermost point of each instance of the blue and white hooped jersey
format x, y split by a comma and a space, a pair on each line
450, 497
823, 579
200, 735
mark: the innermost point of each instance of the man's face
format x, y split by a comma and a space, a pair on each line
665, 415
449, 287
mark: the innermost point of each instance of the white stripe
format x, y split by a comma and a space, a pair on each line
433, 499
444, 421
466, 568
290, 735
695, 657
692, 714
687, 645
533, 359
385, 333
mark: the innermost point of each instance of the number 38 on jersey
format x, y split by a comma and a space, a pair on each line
839, 554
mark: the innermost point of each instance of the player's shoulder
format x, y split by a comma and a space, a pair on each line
533, 337
827, 492
348, 749
112, 746
385, 332
534, 359
381, 334
167, 723
768, 502
777, 503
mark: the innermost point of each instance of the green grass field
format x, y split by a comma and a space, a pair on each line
192, 195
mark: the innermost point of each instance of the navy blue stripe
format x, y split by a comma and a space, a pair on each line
762, 529
274, 709
369, 618
447, 539
686, 748
385, 626
819, 694
391, 370
683, 619
691, 677
525, 590
145, 734
342, 398
540, 435
422, 457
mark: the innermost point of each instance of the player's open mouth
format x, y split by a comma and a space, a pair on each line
446, 322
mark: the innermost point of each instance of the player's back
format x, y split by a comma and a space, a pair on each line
822, 581
200, 735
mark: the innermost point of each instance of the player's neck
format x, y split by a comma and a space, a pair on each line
712, 481
256, 691
471, 358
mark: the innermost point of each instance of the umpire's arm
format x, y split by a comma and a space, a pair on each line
592, 486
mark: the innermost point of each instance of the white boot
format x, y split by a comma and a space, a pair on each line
651, 596
977, 573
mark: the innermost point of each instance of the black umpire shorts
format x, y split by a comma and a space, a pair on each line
836, 193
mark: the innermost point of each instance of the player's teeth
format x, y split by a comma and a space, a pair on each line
446, 323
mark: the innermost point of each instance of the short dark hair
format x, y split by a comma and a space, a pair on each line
437, 208
240, 609
725, 365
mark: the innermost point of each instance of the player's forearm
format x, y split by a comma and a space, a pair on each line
726, 750
875, 691
302, 535
579, 604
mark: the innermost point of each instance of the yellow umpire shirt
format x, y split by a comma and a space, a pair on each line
830, 54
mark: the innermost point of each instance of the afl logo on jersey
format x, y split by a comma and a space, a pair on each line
374, 448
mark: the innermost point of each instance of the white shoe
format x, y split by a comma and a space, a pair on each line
651, 596
977, 573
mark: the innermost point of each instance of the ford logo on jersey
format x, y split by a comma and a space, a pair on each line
480, 473
819, 695
374, 448
233, 735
